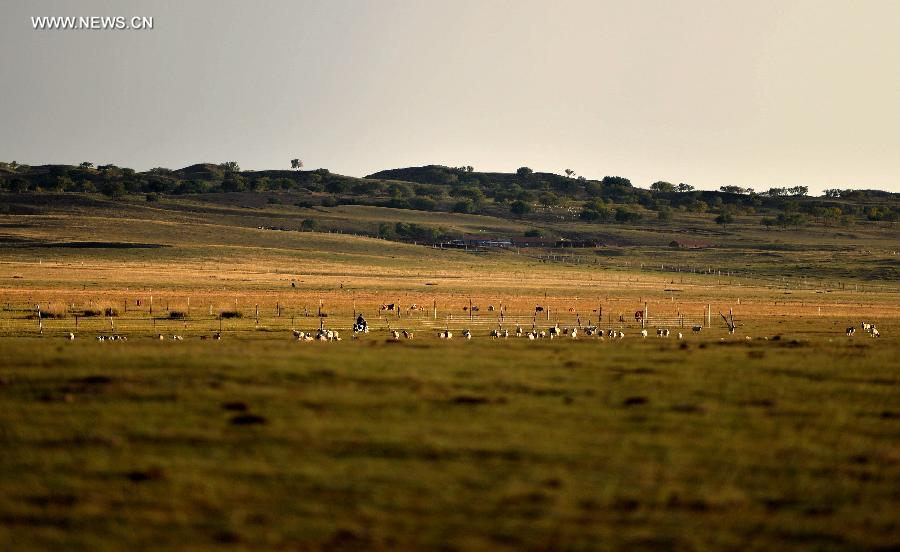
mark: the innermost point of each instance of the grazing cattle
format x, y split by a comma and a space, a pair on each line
71, 336
850, 331
101, 338
538, 308
574, 333
554, 331
407, 335
621, 335
297, 333
161, 337
662, 333
490, 308
395, 334
467, 334
505, 334
866, 326
389, 307
177, 338
680, 336
217, 336
531, 335
518, 331
875, 332
542, 334
696, 329
446, 335
495, 333
644, 333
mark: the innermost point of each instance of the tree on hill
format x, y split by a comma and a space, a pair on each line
662, 186
84, 165
230, 166
768, 222
570, 173
595, 211
616, 181
685, 187
524, 171
725, 219
548, 199
296, 164
790, 219
113, 189
832, 214
519, 208
733, 189
626, 215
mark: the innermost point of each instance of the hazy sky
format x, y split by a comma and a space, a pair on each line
749, 93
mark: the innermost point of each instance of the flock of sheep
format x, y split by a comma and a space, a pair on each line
553, 332
866, 327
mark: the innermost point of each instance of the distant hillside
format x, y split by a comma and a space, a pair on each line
530, 197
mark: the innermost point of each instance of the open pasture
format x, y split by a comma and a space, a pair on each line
259, 442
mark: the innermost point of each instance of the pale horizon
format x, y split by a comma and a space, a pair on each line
772, 94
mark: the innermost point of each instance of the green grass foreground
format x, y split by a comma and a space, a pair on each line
274, 444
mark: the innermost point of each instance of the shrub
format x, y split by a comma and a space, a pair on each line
48, 314
519, 208
177, 315
231, 314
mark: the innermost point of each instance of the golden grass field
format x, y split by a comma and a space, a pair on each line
786, 440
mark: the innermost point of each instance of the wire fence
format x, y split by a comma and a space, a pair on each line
26, 320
